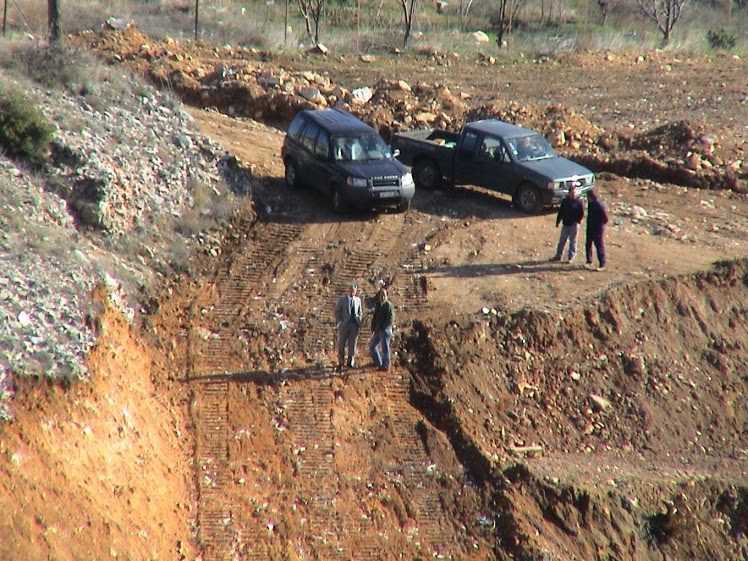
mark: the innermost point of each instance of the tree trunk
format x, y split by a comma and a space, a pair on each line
55, 32
197, 18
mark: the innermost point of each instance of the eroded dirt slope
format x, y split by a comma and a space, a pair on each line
100, 470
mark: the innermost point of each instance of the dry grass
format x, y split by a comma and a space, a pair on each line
573, 26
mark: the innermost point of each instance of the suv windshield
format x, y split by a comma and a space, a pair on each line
358, 148
528, 148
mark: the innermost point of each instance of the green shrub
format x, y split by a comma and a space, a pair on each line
721, 39
24, 131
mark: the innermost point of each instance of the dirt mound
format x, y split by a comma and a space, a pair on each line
230, 80
626, 518
643, 393
651, 367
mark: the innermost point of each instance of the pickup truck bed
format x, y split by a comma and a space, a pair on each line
437, 144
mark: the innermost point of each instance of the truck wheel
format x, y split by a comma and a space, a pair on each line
338, 204
527, 199
404, 206
427, 175
292, 177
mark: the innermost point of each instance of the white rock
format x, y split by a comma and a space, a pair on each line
362, 95
24, 319
480, 37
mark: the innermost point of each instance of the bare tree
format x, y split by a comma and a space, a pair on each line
409, 10
318, 7
55, 32
508, 10
603, 5
665, 13
463, 9
197, 18
311, 11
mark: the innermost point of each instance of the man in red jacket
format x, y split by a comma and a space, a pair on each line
597, 218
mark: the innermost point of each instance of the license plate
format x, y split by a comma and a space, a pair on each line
387, 194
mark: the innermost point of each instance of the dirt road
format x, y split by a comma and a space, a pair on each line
295, 460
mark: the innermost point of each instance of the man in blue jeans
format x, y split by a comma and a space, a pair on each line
381, 331
570, 214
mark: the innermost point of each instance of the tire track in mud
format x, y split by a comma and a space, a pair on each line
215, 349
310, 403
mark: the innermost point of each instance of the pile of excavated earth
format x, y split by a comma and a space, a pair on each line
233, 81
534, 411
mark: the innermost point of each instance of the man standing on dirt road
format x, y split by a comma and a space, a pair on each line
381, 329
597, 218
571, 214
348, 316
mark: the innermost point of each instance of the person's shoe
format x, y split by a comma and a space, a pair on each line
601, 268
570, 260
555, 258
589, 265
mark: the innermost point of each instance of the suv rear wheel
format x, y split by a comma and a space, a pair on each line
426, 175
292, 178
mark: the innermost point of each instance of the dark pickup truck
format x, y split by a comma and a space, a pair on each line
495, 155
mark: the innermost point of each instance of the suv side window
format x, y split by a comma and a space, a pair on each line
295, 128
308, 135
322, 147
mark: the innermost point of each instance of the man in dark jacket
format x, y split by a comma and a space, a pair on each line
597, 218
381, 330
571, 214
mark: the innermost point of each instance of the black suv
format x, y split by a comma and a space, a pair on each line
334, 152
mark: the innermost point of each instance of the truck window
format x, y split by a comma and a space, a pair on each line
308, 135
322, 147
469, 141
296, 125
490, 150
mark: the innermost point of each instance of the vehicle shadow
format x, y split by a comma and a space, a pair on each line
501, 269
465, 201
275, 202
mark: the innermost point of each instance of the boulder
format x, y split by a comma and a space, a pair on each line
425, 117
480, 37
362, 95
318, 49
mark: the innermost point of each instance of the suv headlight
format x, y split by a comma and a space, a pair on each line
407, 180
357, 182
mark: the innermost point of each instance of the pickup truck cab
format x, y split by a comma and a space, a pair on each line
335, 153
495, 155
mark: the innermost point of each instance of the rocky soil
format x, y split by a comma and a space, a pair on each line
115, 206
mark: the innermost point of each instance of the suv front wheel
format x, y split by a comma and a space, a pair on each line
338, 204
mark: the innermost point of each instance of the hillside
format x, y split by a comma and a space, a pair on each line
167, 346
